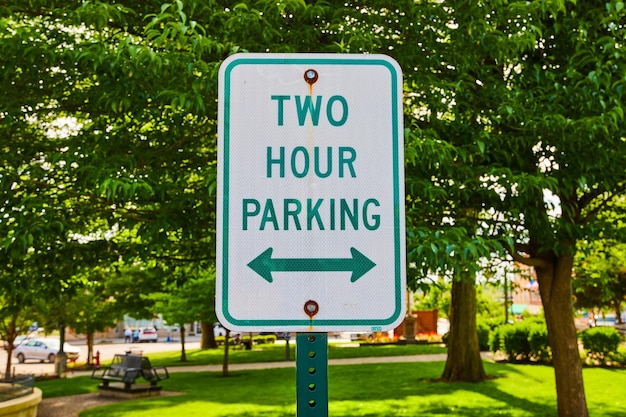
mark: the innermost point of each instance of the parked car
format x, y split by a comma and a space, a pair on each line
18, 341
218, 330
44, 349
361, 336
148, 334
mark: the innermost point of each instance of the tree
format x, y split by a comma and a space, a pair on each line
537, 120
567, 106
463, 346
14, 319
85, 311
100, 141
448, 203
112, 137
600, 278
432, 295
187, 301
90, 312
130, 286
514, 114
39, 275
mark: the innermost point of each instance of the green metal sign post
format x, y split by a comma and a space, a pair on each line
312, 374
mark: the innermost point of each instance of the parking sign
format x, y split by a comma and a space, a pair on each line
310, 214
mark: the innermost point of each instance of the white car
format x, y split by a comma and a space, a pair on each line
219, 330
44, 349
148, 334
18, 341
361, 336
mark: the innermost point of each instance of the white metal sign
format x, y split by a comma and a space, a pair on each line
311, 193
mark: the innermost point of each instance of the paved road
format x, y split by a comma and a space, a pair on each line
106, 348
110, 348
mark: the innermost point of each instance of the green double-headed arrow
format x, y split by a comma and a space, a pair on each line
264, 264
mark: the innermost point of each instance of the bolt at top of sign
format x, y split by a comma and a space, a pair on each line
310, 76
310, 192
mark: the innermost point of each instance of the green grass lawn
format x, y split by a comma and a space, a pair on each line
376, 390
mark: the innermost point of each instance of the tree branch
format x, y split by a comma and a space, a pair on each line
526, 260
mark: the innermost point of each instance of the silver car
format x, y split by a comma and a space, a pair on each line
44, 349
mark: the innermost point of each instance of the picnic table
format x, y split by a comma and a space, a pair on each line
127, 368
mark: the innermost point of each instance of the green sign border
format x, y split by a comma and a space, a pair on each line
397, 195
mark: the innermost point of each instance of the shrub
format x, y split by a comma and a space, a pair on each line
257, 340
618, 357
221, 339
495, 338
539, 344
264, 339
483, 335
600, 342
492, 322
521, 341
514, 341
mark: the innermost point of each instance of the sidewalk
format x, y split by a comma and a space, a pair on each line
292, 363
331, 362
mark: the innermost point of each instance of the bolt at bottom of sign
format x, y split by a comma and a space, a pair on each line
311, 308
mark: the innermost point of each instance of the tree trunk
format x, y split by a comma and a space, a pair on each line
464, 362
89, 348
183, 354
225, 363
11, 334
555, 288
617, 308
208, 337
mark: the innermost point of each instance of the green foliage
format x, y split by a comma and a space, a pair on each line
600, 280
130, 288
539, 343
514, 341
489, 305
513, 142
435, 296
184, 294
516, 123
484, 332
600, 342
264, 339
521, 341
220, 340
618, 357
495, 340
256, 340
